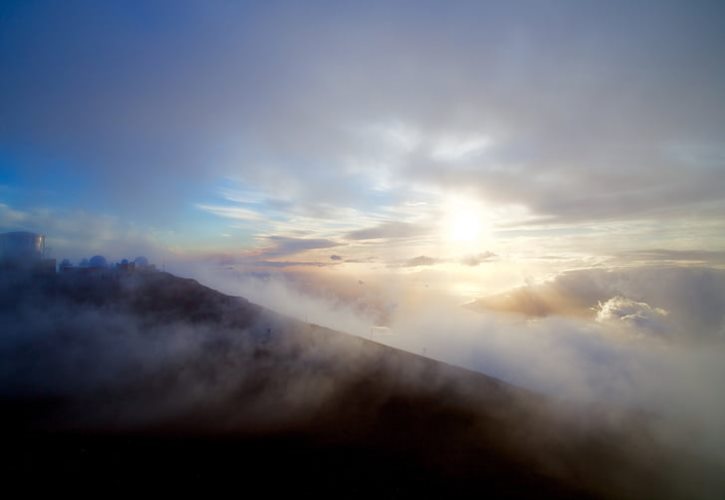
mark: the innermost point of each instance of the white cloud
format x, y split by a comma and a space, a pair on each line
231, 212
686, 304
452, 148
639, 315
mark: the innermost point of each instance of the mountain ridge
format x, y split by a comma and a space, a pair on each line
165, 362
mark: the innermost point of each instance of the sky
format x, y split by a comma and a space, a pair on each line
557, 168
467, 146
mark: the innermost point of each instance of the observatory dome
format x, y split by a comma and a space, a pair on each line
98, 262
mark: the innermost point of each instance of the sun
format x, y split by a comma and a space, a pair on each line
464, 222
465, 226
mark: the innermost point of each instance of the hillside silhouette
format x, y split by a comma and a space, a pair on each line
133, 381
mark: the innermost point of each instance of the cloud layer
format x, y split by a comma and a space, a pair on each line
659, 353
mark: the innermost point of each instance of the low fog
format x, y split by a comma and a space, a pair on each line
140, 350
649, 339
154, 352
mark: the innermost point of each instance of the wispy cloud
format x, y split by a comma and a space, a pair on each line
421, 261
282, 246
711, 257
229, 212
476, 259
388, 230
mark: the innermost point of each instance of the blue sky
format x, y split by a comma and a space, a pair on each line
581, 130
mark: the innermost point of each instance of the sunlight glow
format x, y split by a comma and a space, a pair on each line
465, 226
464, 222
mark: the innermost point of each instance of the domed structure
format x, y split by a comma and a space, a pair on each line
141, 261
98, 262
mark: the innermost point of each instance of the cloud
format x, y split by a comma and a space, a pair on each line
280, 99
694, 298
388, 230
711, 257
639, 315
237, 213
283, 246
474, 260
457, 148
288, 263
277, 247
570, 357
335, 257
420, 261
424, 260
305, 296
167, 359
168, 368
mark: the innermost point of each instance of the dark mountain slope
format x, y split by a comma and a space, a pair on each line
152, 381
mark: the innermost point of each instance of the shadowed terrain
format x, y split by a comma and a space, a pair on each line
145, 380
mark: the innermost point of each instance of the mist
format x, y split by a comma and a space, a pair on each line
663, 359
155, 353
124, 364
